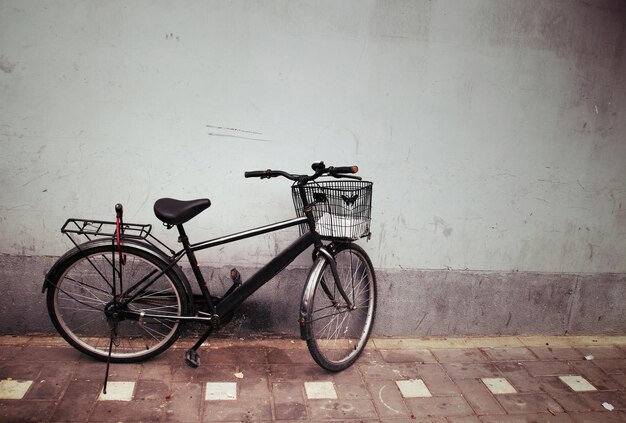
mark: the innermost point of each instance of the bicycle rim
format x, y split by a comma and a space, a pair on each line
337, 334
83, 291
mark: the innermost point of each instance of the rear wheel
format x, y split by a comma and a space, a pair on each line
83, 309
335, 333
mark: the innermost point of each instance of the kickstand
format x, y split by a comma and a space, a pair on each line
106, 374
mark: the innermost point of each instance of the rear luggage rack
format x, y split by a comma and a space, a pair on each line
90, 229
102, 228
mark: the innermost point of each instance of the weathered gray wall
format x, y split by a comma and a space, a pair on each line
494, 132
411, 302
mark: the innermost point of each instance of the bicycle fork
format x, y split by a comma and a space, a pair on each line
333, 268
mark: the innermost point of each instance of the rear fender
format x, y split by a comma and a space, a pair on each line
139, 244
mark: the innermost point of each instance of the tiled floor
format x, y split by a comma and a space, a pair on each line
534, 379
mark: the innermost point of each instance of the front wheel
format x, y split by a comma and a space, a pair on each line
335, 333
139, 318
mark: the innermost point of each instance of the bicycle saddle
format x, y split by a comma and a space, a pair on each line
177, 212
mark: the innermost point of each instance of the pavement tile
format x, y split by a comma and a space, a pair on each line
594, 375
596, 417
413, 388
156, 371
127, 412
611, 366
185, 402
289, 401
349, 384
14, 389
387, 399
572, 402
320, 390
463, 419
408, 356
519, 377
437, 380
556, 353
462, 342
530, 418
479, 397
509, 354
151, 390
207, 373
370, 355
621, 379
22, 411
548, 368
498, 385
238, 411
255, 382
117, 391
52, 381
220, 391
471, 370
577, 383
342, 409
12, 340
473, 355
387, 371
616, 398
46, 353
553, 385
20, 371
439, 406
95, 370
599, 352
529, 403
77, 401
299, 372
234, 355
290, 356
10, 352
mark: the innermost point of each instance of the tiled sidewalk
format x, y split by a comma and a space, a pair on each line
512, 379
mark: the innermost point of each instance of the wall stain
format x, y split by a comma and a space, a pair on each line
6, 65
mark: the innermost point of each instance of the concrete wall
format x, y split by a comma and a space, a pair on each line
493, 130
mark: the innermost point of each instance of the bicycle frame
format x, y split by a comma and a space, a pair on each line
235, 297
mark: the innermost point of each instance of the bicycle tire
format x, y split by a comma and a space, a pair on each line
336, 336
80, 289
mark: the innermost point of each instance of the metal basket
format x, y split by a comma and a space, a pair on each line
342, 211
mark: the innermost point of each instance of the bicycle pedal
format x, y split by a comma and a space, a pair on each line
192, 358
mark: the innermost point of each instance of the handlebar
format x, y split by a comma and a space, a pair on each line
319, 168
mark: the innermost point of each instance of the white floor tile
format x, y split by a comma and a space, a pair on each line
320, 390
413, 388
14, 389
220, 391
577, 383
498, 385
118, 391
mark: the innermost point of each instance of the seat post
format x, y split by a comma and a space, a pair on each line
195, 267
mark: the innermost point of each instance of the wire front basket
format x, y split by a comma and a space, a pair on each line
342, 209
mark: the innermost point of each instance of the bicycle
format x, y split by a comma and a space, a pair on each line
122, 297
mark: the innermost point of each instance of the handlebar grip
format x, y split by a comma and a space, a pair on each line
345, 169
257, 174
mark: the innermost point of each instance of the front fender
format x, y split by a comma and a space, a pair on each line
309, 290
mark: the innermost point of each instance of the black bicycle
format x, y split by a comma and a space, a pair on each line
122, 296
